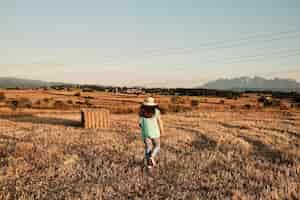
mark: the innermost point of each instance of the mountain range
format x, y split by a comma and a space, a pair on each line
9, 82
254, 83
237, 84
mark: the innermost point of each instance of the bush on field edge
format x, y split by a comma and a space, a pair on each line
19, 103
2, 96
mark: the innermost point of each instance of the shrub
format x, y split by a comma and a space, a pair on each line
87, 90
195, 103
262, 99
88, 103
79, 103
247, 106
38, 102
77, 94
174, 99
179, 108
297, 99
24, 103
46, 100
229, 95
275, 102
266, 101
232, 107
60, 105
13, 104
177, 100
123, 110
21, 103
2, 96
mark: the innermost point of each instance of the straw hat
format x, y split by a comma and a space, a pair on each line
149, 102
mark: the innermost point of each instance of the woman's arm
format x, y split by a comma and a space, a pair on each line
141, 123
160, 125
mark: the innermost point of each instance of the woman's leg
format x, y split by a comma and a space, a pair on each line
148, 148
156, 144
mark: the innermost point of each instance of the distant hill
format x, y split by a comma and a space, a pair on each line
8, 82
255, 83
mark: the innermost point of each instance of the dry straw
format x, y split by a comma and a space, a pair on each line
95, 118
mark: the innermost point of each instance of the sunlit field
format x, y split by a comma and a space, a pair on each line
214, 149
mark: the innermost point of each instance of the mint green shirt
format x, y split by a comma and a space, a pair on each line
149, 126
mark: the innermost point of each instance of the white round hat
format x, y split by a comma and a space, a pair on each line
149, 102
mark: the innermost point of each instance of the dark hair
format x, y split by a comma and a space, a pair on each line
147, 111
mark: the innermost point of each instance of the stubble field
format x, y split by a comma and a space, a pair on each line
216, 151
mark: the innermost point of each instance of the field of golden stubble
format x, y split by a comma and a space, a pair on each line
206, 154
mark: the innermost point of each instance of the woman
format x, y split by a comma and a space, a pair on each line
152, 127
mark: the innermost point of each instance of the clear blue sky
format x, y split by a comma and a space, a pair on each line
153, 43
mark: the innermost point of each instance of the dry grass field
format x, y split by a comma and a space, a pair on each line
219, 150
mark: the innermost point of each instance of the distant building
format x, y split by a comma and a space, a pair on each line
134, 91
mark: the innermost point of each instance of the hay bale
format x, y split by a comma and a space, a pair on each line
95, 118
